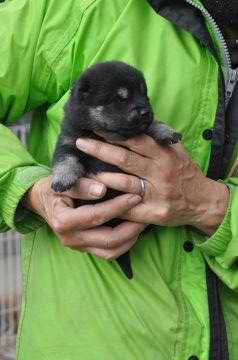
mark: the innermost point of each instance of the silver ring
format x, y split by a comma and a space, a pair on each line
142, 186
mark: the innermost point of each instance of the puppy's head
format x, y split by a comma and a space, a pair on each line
112, 97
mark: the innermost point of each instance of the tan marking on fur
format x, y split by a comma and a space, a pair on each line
123, 92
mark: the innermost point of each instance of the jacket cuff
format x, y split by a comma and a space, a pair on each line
20, 181
218, 242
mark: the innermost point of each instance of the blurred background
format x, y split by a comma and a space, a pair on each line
10, 273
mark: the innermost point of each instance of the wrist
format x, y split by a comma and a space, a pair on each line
212, 207
32, 200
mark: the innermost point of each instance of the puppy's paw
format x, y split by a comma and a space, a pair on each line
170, 138
163, 134
60, 186
66, 173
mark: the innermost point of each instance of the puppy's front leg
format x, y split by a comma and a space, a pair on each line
67, 169
163, 134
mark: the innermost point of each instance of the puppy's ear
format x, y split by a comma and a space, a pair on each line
83, 93
81, 89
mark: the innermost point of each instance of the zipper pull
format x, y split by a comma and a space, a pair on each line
231, 83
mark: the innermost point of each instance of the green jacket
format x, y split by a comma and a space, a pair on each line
76, 306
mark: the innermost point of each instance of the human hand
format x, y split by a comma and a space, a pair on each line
82, 228
177, 192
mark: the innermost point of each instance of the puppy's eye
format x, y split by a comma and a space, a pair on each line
121, 99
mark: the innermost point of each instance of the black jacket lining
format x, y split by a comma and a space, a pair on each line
218, 136
231, 132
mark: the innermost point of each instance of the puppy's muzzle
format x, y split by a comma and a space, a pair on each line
140, 115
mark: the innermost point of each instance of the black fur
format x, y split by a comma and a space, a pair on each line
108, 102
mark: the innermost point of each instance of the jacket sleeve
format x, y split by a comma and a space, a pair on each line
20, 33
221, 249
18, 172
34, 39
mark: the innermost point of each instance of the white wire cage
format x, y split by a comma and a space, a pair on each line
10, 292
10, 275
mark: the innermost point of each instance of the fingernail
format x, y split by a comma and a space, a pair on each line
134, 200
96, 190
82, 144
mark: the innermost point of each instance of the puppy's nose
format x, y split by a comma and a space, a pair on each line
144, 113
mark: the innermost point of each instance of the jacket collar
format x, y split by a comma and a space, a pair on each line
186, 16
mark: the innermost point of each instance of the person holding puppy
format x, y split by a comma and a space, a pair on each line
182, 300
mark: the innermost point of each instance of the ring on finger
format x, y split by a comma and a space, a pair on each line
142, 186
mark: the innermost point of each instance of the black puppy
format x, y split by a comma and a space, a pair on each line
108, 102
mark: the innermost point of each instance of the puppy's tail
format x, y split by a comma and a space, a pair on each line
125, 264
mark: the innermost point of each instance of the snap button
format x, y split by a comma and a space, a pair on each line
207, 134
188, 246
227, 139
193, 358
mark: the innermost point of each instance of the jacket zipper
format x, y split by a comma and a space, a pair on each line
230, 75
231, 83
